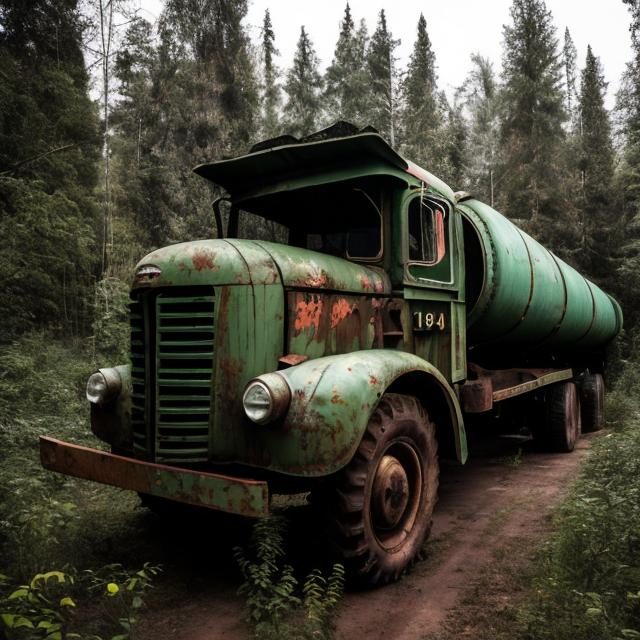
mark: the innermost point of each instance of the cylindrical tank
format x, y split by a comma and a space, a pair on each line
518, 292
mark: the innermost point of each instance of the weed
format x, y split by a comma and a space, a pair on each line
275, 607
56, 604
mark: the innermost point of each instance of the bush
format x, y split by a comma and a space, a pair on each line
275, 608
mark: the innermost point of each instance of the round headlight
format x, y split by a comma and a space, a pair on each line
257, 402
266, 398
103, 385
97, 388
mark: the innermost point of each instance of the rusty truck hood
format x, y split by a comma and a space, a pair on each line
233, 261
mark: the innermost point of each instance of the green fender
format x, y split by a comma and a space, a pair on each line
332, 399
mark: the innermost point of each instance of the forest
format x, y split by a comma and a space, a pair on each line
103, 115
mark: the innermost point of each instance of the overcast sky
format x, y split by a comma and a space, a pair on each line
457, 29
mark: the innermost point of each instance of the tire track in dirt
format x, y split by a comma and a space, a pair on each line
483, 505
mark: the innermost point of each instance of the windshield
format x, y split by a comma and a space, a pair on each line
342, 219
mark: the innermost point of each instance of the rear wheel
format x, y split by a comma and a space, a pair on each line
383, 500
563, 423
592, 402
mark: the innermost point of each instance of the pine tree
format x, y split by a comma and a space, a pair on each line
271, 97
451, 166
569, 57
421, 117
481, 100
381, 64
303, 86
346, 80
596, 166
532, 126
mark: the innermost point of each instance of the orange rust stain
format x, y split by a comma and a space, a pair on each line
308, 314
373, 380
203, 259
341, 309
316, 278
366, 283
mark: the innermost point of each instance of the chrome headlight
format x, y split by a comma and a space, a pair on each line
266, 398
103, 385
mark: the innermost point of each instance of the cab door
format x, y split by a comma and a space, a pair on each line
433, 282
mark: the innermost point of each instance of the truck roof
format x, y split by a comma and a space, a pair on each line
298, 158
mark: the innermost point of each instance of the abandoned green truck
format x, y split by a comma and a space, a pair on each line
344, 360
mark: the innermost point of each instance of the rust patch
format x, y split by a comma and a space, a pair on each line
308, 314
341, 309
203, 259
373, 380
293, 359
335, 397
366, 283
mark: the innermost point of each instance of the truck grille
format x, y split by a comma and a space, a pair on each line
171, 416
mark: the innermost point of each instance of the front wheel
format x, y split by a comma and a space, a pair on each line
383, 499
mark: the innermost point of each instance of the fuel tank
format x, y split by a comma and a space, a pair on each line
519, 293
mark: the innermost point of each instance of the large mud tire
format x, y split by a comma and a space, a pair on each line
592, 402
383, 499
563, 424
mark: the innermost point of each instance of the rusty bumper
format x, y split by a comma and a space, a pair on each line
210, 490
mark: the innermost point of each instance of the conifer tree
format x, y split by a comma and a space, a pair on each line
303, 86
271, 96
569, 57
532, 127
481, 100
421, 117
596, 166
451, 165
381, 64
346, 80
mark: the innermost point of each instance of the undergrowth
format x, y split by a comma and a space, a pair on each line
55, 531
588, 582
277, 607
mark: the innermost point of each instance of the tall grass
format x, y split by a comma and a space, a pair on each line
588, 584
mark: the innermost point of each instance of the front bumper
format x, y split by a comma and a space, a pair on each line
210, 490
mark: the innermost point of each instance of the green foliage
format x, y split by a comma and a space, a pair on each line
421, 115
381, 65
303, 85
88, 604
532, 133
111, 319
596, 166
270, 88
346, 80
275, 609
48, 161
590, 571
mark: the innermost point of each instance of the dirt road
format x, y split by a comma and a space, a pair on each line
498, 502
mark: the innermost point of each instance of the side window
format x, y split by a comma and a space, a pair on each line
426, 232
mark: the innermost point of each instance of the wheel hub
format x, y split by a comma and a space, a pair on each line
390, 494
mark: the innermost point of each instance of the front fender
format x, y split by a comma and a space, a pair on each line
332, 399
